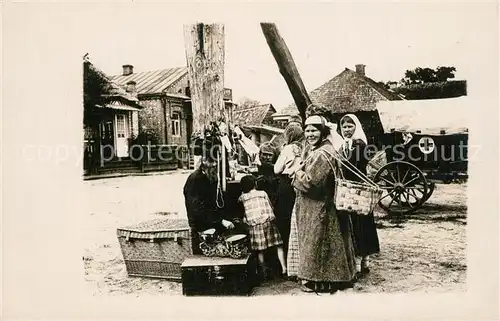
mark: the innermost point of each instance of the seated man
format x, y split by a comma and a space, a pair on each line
200, 194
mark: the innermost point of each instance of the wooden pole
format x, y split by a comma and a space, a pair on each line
287, 67
204, 45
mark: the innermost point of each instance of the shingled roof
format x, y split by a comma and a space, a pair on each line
152, 82
341, 98
252, 116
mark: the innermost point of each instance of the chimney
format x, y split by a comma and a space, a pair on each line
360, 69
131, 87
128, 70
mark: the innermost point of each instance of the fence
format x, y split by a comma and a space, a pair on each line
156, 157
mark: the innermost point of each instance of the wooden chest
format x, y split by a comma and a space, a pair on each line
156, 248
215, 276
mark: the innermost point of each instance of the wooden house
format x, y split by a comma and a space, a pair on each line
166, 118
163, 93
257, 121
349, 92
110, 123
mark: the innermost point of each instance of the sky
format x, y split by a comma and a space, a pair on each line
324, 38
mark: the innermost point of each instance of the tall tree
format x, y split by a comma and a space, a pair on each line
445, 73
95, 87
428, 75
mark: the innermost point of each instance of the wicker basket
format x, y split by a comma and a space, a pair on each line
156, 248
355, 197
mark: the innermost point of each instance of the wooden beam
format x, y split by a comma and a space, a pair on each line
287, 67
204, 45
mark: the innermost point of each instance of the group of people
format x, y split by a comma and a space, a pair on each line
325, 249
328, 248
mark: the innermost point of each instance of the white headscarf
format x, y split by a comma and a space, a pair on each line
358, 131
315, 120
333, 136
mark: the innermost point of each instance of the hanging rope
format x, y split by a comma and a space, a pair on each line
220, 196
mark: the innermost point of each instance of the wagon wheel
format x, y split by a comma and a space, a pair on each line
414, 201
405, 187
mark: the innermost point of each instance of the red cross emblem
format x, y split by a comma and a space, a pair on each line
426, 145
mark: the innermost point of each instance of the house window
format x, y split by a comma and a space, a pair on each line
176, 123
120, 126
88, 133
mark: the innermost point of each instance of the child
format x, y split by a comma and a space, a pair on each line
261, 220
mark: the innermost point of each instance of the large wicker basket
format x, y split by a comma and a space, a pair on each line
156, 248
356, 197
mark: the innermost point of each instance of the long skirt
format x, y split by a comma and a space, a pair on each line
292, 262
365, 235
284, 206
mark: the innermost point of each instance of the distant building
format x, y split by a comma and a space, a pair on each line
257, 121
167, 115
433, 90
110, 121
349, 92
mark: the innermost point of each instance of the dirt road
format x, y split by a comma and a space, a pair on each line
425, 251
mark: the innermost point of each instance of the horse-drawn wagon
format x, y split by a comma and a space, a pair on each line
424, 142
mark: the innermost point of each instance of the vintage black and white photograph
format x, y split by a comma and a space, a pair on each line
256, 160
307, 153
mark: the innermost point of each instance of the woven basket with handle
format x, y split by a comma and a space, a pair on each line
354, 197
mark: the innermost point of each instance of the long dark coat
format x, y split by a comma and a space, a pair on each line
202, 211
267, 181
325, 237
365, 230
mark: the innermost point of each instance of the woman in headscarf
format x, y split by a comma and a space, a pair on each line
287, 163
354, 150
326, 260
331, 122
